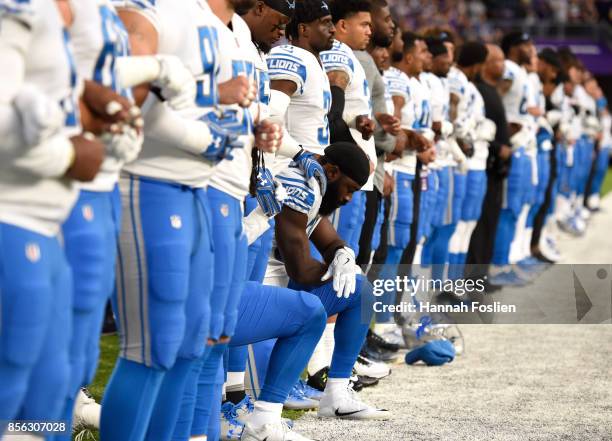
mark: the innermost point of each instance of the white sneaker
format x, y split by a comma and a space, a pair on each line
594, 201
348, 406
86, 413
369, 368
394, 336
271, 432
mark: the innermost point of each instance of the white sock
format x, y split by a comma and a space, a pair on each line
322, 355
198, 438
234, 379
265, 413
336, 386
91, 415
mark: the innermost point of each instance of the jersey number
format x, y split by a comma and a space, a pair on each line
69, 103
324, 131
206, 95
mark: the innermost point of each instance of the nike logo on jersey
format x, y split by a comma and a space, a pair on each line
343, 414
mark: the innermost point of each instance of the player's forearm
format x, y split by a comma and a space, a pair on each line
307, 272
167, 125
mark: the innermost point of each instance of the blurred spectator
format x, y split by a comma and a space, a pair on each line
477, 18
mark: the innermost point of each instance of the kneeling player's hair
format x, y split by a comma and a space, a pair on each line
306, 11
344, 9
471, 53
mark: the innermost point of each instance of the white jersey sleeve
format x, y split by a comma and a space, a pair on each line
397, 84
339, 59
286, 63
516, 100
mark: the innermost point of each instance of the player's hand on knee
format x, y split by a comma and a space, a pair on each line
343, 270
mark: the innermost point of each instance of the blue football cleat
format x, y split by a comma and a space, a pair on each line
309, 392
231, 427
297, 400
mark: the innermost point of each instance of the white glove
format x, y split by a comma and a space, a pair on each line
447, 129
465, 129
41, 117
554, 117
458, 156
544, 124
592, 126
522, 138
343, 269
486, 130
125, 145
428, 134
176, 82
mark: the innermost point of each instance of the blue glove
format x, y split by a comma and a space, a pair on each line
224, 137
265, 192
309, 165
433, 353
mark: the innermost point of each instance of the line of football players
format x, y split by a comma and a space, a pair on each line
150, 146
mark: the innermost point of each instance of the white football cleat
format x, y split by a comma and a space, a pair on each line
271, 432
346, 405
394, 336
86, 413
369, 368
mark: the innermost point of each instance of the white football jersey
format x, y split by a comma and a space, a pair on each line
306, 119
399, 85
439, 95
232, 176
303, 196
440, 103
516, 101
537, 91
458, 86
185, 30
30, 202
568, 117
357, 95
476, 107
99, 37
